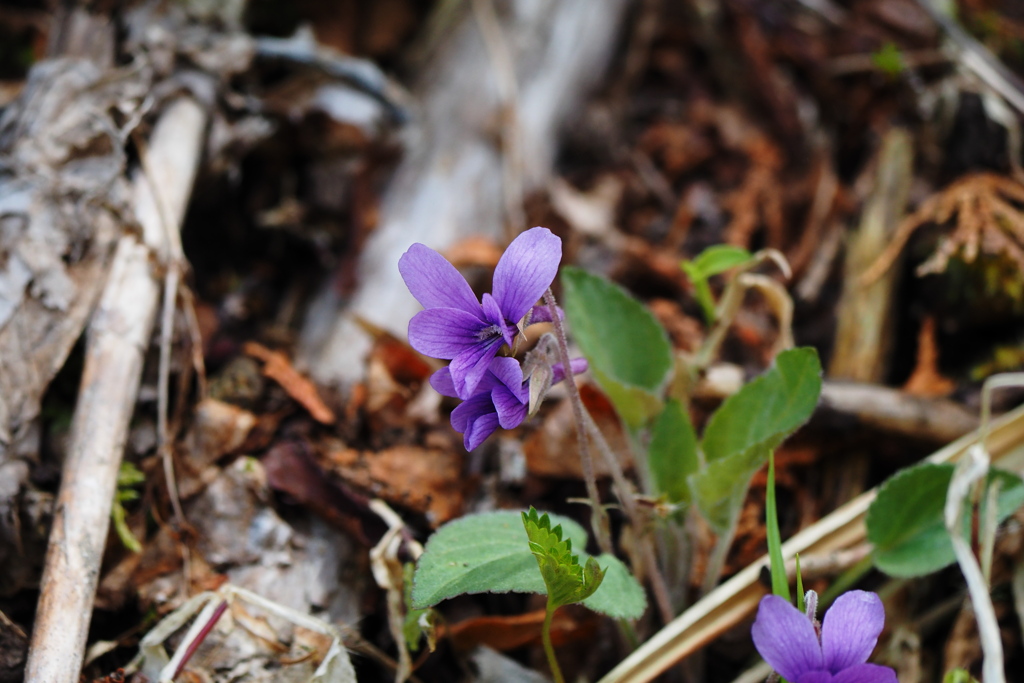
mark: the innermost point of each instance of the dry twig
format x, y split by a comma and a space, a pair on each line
119, 334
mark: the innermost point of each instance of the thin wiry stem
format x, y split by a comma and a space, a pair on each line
626, 494
585, 426
599, 518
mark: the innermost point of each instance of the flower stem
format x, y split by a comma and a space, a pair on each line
599, 518
549, 649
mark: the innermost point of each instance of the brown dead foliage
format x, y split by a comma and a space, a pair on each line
427, 480
278, 368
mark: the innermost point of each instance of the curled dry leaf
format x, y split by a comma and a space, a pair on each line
278, 368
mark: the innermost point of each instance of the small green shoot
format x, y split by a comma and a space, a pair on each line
780, 585
566, 580
128, 478
889, 60
799, 587
712, 261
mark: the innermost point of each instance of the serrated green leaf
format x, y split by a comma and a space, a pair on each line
720, 258
748, 426
490, 553
567, 581
905, 521
629, 353
672, 455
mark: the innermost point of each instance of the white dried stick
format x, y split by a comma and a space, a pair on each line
118, 336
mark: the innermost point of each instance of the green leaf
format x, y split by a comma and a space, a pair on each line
768, 409
672, 455
620, 595
490, 553
712, 261
629, 353
748, 426
719, 489
567, 581
905, 521
720, 258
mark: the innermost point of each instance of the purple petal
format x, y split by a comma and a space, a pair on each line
850, 629
541, 313
434, 282
443, 384
865, 673
525, 271
511, 408
510, 374
476, 419
471, 409
785, 638
815, 677
558, 370
469, 367
444, 332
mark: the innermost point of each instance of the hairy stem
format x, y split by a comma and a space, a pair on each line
585, 426
627, 498
549, 649
599, 519
716, 562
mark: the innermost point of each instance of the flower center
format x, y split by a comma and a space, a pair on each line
489, 333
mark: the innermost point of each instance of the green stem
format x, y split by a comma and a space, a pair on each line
549, 649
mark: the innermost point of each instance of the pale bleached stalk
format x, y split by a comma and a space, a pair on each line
969, 471
118, 336
598, 516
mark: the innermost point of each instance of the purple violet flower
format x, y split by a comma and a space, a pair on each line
788, 640
455, 325
502, 398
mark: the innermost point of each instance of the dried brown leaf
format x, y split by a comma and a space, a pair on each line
278, 368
